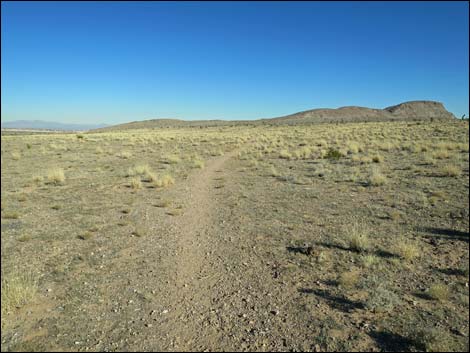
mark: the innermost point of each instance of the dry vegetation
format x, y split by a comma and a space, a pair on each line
322, 237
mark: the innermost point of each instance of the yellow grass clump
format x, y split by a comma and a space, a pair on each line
17, 290
451, 170
56, 176
136, 183
358, 237
376, 178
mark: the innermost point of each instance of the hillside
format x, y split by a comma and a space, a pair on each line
413, 110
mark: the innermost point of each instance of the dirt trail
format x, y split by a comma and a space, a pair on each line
195, 270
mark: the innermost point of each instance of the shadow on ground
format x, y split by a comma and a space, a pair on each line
446, 233
335, 302
391, 342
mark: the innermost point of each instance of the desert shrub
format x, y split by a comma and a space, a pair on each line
377, 158
432, 340
380, 299
333, 154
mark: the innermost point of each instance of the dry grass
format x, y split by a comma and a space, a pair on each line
10, 215
376, 178
369, 261
125, 155
86, 236
18, 288
441, 154
15, 156
151, 177
197, 163
139, 169
165, 181
163, 203
173, 159
38, 178
358, 237
174, 212
273, 172
136, 183
284, 154
56, 176
451, 170
139, 231
439, 292
406, 249
349, 279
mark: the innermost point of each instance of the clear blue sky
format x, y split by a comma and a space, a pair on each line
111, 62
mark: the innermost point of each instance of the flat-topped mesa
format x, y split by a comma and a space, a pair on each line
421, 110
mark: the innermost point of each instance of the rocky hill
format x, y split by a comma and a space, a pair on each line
413, 110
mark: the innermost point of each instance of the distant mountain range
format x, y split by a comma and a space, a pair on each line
48, 125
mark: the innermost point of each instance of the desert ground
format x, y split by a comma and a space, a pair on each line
326, 237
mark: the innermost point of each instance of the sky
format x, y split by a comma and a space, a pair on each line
113, 62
